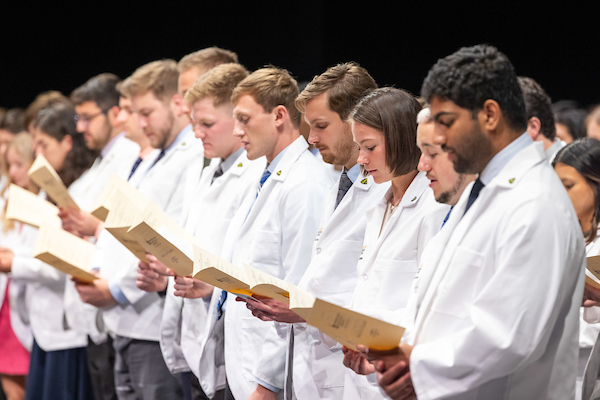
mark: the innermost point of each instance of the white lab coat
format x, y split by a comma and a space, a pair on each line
496, 292
85, 191
273, 233
318, 372
164, 184
17, 240
45, 294
208, 210
390, 262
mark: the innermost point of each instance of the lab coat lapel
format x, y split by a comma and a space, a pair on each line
293, 152
460, 223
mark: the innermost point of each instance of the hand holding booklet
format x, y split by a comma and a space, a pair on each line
43, 175
65, 252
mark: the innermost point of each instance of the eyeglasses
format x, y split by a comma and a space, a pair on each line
85, 120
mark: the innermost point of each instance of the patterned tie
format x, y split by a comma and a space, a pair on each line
135, 166
344, 186
477, 186
218, 173
263, 179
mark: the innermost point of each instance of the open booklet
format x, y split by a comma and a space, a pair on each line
27, 207
42, 173
248, 281
592, 271
103, 202
123, 213
65, 252
343, 325
160, 236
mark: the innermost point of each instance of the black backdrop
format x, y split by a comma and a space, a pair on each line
45, 45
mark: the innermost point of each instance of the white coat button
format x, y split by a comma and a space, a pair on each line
318, 250
364, 277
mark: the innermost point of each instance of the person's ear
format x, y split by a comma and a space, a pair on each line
112, 114
280, 113
490, 115
534, 125
67, 143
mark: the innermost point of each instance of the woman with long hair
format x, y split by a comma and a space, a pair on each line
58, 364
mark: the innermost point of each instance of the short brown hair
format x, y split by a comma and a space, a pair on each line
13, 120
101, 89
218, 84
270, 87
393, 112
345, 84
159, 77
206, 59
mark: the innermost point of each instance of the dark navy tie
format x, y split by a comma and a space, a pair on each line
161, 155
135, 166
477, 186
344, 186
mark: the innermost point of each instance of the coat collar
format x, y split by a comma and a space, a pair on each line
292, 153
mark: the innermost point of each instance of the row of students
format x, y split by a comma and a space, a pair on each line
379, 240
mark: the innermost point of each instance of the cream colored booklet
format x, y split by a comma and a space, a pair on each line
592, 271
42, 173
30, 209
162, 237
65, 252
122, 214
103, 202
351, 328
248, 281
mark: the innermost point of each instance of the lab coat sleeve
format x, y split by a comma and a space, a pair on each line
28, 269
503, 333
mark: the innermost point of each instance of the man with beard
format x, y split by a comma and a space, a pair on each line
492, 304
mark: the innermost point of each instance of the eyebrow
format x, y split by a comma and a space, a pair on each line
437, 116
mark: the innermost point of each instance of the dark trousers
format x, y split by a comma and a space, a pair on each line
141, 372
61, 374
101, 363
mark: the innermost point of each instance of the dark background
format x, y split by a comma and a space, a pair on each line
45, 45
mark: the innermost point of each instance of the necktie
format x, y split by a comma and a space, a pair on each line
344, 186
447, 216
135, 166
263, 179
477, 186
218, 173
221, 304
161, 155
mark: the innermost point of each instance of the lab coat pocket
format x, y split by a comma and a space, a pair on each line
265, 252
458, 286
394, 278
340, 274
